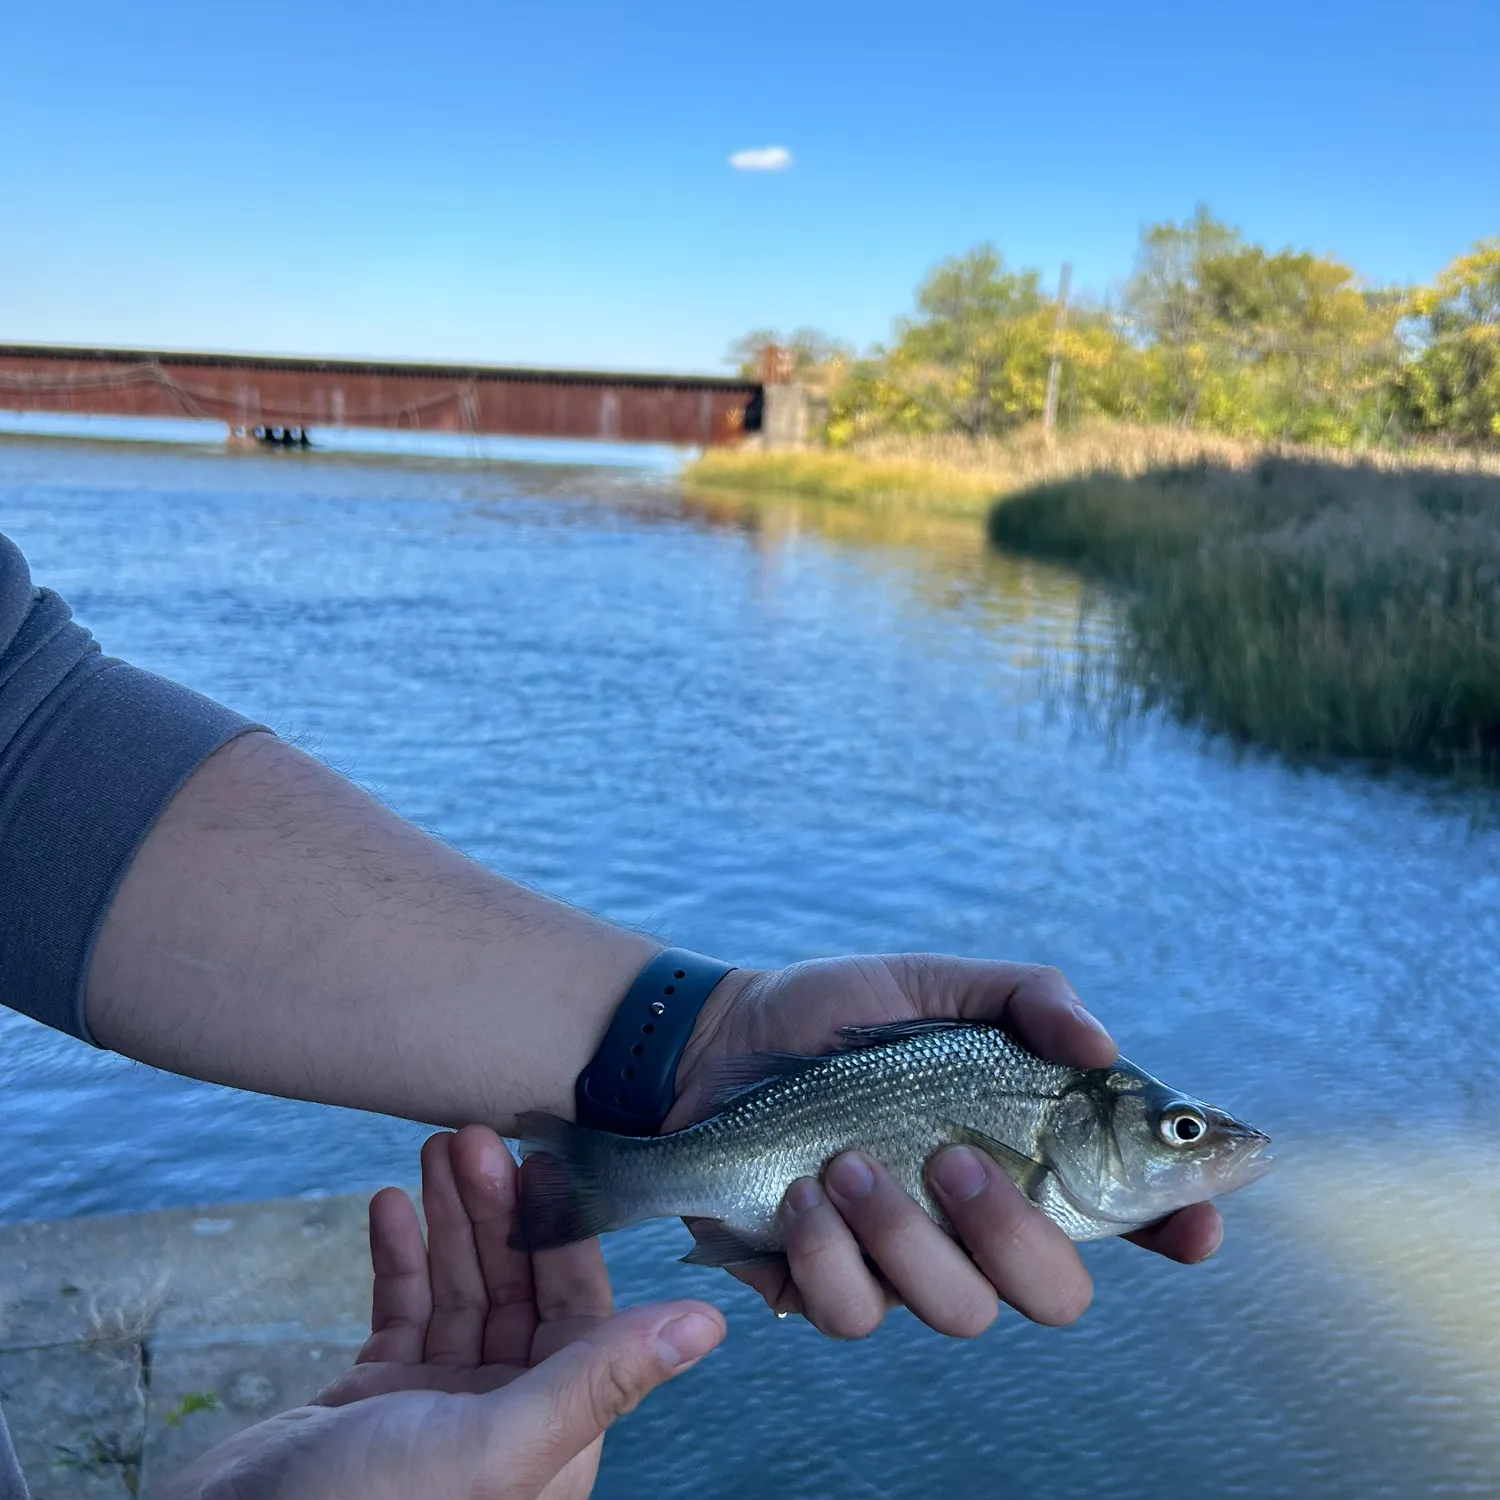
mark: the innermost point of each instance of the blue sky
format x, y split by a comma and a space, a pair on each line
550, 183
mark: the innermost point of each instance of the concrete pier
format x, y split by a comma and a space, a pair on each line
130, 1345
785, 416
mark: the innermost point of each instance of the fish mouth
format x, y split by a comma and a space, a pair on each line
1251, 1160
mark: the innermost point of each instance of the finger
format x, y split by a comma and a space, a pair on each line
776, 1285
1035, 1002
552, 1413
379, 1379
1026, 1258
1190, 1235
460, 1304
838, 1294
572, 1295
1044, 1012
401, 1303
773, 1281
485, 1174
934, 1277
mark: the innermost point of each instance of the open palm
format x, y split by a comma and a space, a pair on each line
465, 1312
488, 1372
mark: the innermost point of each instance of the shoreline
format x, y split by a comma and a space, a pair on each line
1323, 604
954, 477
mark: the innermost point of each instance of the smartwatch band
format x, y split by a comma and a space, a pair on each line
631, 1082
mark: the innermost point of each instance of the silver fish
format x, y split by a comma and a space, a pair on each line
1100, 1151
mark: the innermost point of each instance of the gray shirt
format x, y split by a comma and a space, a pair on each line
91, 751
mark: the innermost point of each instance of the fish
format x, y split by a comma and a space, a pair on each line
1100, 1151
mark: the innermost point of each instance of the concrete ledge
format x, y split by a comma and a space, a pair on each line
129, 1345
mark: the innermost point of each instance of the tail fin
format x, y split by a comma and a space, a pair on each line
564, 1192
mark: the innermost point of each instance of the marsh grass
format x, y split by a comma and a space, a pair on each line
1316, 608
955, 476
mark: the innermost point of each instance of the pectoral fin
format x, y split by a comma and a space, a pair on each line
1027, 1172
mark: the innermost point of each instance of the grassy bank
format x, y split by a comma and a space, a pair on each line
1313, 607
952, 475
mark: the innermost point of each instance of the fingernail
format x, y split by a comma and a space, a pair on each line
959, 1173
685, 1339
1093, 1023
803, 1196
850, 1177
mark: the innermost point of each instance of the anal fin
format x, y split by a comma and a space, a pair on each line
719, 1245
1027, 1172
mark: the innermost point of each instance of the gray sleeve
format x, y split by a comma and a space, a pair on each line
12, 1481
91, 751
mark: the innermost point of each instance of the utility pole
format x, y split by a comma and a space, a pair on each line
1054, 373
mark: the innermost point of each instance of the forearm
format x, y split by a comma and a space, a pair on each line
281, 931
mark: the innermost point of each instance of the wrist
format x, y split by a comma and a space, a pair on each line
710, 1038
629, 1085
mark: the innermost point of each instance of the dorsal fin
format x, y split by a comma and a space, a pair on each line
732, 1076
857, 1038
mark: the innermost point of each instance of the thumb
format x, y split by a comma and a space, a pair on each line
554, 1411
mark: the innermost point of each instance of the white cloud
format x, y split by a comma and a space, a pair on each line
762, 159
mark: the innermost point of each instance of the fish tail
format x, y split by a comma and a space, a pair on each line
565, 1194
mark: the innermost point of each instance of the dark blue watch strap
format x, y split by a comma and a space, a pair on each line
630, 1084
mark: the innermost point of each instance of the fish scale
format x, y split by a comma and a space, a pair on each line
1089, 1146
898, 1103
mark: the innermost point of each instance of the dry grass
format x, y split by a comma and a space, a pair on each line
951, 475
1313, 607
125, 1318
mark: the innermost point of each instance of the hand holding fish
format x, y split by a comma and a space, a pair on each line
1017, 1150
487, 1371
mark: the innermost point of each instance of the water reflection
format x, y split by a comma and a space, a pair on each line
945, 559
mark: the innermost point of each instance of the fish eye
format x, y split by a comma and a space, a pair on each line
1182, 1125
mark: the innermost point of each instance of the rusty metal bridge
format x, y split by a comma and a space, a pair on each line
281, 399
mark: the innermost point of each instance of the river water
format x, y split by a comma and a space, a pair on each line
844, 726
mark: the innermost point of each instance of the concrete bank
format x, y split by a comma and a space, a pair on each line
129, 1345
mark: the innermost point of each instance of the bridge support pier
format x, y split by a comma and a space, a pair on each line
785, 416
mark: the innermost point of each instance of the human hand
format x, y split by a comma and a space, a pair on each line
489, 1374
1015, 1253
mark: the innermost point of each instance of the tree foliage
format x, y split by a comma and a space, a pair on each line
1269, 344
1453, 383
974, 358
1212, 332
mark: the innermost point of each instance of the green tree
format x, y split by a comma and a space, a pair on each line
1452, 386
1315, 354
975, 358
1168, 310
1283, 344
